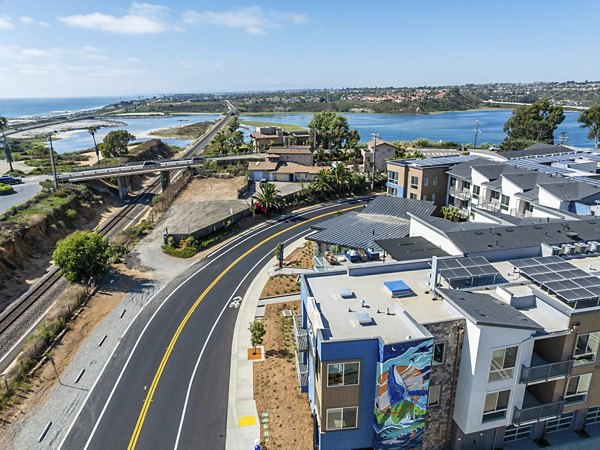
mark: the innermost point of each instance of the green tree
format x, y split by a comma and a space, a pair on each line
269, 198
590, 118
92, 130
115, 143
331, 130
3, 126
533, 123
449, 212
341, 177
322, 184
278, 252
257, 334
82, 256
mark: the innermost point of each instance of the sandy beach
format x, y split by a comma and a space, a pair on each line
62, 128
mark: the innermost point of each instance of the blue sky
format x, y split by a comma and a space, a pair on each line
93, 48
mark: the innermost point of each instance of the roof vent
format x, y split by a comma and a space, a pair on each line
364, 319
346, 293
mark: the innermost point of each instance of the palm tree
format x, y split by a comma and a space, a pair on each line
92, 130
3, 125
322, 183
341, 177
269, 198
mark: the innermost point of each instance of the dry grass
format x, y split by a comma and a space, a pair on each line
301, 257
276, 388
281, 285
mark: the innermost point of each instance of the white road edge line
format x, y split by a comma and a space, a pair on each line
225, 307
144, 330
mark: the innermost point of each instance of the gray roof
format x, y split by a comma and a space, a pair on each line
356, 230
463, 170
571, 191
483, 309
528, 179
497, 183
493, 171
409, 248
531, 194
535, 150
523, 236
398, 207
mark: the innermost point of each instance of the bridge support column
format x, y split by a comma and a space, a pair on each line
124, 186
165, 179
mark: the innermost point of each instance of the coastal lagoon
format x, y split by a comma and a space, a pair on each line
458, 126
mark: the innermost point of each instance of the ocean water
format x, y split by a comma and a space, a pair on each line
457, 126
14, 108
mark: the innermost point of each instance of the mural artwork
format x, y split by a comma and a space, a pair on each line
401, 394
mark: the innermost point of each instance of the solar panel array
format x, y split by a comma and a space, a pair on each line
465, 268
443, 160
560, 278
542, 164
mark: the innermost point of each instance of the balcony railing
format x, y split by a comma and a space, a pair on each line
463, 194
301, 334
537, 413
301, 371
546, 372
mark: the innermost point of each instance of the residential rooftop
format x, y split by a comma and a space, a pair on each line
440, 161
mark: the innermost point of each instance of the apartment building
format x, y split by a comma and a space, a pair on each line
267, 137
422, 179
378, 153
456, 352
534, 187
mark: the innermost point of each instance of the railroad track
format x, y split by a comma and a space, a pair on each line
111, 227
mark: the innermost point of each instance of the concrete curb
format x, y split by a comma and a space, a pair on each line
243, 422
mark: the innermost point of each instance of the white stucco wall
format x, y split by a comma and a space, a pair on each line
419, 229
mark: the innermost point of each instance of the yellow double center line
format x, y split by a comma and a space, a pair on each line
146, 405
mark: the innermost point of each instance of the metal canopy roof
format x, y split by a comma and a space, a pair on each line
466, 268
557, 276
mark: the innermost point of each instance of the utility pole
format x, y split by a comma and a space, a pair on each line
52, 162
375, 136
476, 134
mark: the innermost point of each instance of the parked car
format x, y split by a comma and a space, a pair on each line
7, 179
198, 159
150, 163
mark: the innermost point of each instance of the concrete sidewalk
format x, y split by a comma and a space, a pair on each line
243, 423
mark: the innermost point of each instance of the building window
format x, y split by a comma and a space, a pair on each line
392, 191
434, 181
424, 198
504, 202
586, 348
425, 181
466, 185
476, 191
435, 391
342, 374
452, 182
503, 363
439, 352
413, 196
393, 177
496, 404
495, 195
433, 197
342, 418
577, 388
414, 182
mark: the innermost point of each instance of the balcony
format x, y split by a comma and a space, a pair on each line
542, 372
302, 372
537, 413
301, 334
463, 194
489, 205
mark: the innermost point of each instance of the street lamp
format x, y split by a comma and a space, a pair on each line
52, 162
375, 136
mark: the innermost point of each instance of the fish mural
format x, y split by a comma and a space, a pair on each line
403, 374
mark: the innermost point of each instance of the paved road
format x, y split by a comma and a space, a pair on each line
140, 399
29, 188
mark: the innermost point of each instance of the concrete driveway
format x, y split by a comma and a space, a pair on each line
29, 188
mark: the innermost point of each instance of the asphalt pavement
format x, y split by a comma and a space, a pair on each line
27, 190
169, 381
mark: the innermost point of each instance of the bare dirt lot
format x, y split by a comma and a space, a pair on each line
276, 385
210, 189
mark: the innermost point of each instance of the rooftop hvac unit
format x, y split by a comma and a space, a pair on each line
555, 250
567, 249
580, 247
592, 246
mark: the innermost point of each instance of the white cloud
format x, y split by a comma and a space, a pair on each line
36, 52
132, 59
26, 20
43, 24
142, 18
6, 23
253, 20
